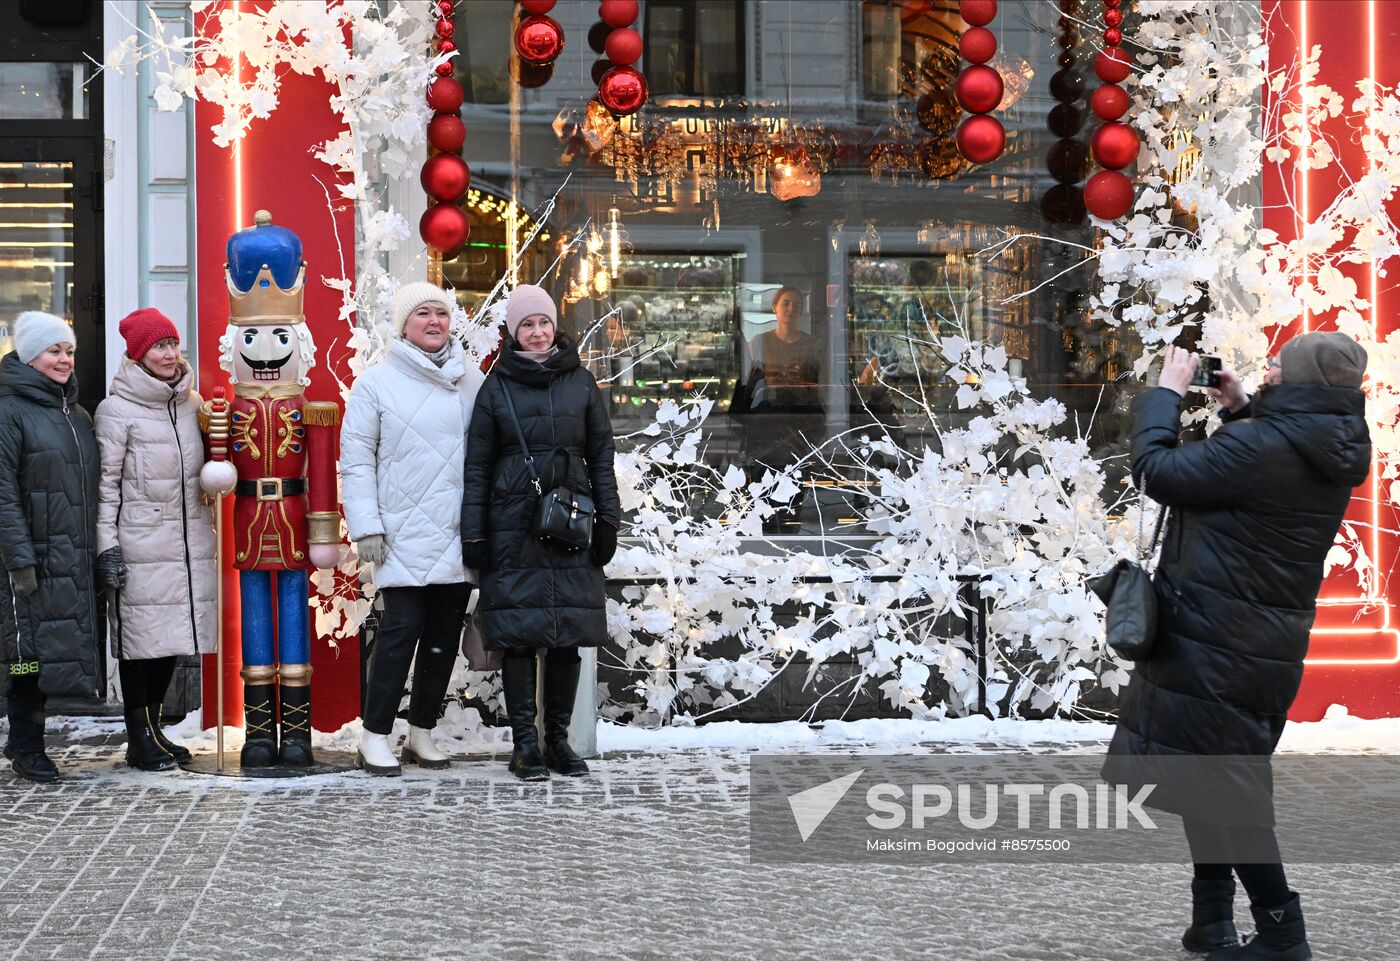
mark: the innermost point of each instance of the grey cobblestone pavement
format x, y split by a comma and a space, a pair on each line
646, 859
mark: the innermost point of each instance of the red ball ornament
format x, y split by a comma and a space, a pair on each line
624, 46
981, 139
444, 227
1111, 3
977, 45
445, 27
1112, 65
978, 13
447, 133
445, 7
539, 40
445, 95
1113, 18
623, 90
537, 7
979, 89
1116, 145
531, 75
1108, 194
445, 176
618, 13
1113, 36
1109, 101
446, 46
444, 69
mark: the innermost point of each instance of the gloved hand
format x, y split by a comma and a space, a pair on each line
604, 544
25, 581
111, 569
372, 549
476, 555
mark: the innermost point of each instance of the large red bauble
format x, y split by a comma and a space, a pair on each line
445, 95
538, 6
623, 90
1108, 194
981, 139
1109, 101
978, 13
618, 13
624, 46
445, 176
1115, 145
1112, 65
979, 89
539, 40
447, 133
445, 28
444, 227
977, 45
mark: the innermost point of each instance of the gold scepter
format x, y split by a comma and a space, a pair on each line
218, 432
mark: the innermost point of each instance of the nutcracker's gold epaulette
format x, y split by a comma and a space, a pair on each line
204, 417
321, 413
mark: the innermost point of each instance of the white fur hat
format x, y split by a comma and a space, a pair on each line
410, 296
36, 332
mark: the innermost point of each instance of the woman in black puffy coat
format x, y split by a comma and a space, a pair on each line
49, 624
535, 595
1254, 511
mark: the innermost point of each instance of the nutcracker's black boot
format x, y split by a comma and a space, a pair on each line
560, 687
1212, 916
1279, 936
142, 751
296, 716
260, 743
518, 681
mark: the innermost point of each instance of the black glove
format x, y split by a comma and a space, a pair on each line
111, 569
604, 544
476, 555
25, 581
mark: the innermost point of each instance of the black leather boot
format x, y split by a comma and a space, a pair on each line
1212, 916
180, 754
518, 682
25, 749
142, 751
296, 726
560, 687
260, 743
1279, 936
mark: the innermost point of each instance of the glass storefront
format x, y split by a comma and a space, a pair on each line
786, 228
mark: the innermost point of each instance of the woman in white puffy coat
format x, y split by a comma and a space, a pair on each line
156, 548
402, 454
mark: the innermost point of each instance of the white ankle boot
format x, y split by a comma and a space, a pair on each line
376, 757
419, 749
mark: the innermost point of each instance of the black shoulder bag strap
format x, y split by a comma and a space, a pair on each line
520, 436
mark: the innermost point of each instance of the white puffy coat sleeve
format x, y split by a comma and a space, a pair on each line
359, 459
112, 433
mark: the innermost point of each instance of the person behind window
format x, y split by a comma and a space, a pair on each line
48, 536
402, 450
157, 553
535, 595
1254, 511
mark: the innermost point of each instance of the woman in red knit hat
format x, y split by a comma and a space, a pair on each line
155, 534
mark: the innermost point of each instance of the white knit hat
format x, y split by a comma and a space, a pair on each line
410, 296
36, 332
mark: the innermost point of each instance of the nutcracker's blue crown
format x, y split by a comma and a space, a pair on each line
265, 274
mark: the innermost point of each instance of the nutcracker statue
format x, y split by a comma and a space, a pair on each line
276, 452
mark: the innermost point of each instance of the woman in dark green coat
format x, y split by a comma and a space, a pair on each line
49, 643
534, 595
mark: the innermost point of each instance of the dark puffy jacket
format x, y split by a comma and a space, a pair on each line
536, 595
48, 521
1254, 510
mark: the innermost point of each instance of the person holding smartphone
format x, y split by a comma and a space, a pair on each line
1254, 510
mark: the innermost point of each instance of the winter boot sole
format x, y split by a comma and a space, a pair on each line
410, 756
376, 770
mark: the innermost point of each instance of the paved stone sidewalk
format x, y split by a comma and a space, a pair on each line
646, 859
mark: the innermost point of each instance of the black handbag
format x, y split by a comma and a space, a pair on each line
1127, 591
563, 518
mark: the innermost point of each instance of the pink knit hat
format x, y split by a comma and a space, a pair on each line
526, 301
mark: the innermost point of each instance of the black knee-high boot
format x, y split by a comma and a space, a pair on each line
1212, 916
518, 681
162, 671
560, 689
142, 751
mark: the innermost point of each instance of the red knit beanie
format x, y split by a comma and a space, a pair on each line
145, 328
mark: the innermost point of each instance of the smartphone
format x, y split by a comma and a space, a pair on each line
1208, 373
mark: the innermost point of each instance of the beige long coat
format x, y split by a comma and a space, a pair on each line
150, 506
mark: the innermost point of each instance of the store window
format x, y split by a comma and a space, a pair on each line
483, 42
694, 48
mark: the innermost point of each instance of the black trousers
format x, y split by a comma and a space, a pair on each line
1262, 876
144, 682
427, 620
26, 709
